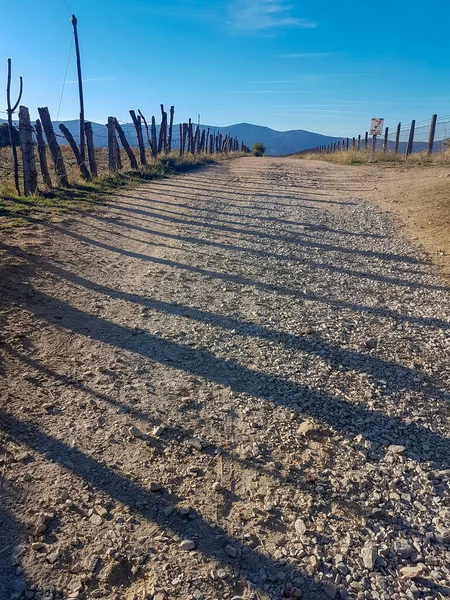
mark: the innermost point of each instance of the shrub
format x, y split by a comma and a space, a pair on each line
4, 136
258, 149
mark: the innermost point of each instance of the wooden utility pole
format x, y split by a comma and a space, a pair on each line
10, 110
80, 89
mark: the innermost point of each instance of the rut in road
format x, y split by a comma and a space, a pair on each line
246, 359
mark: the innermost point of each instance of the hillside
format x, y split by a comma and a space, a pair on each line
276, 142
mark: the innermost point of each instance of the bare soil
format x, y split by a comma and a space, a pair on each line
229, 384
417, 197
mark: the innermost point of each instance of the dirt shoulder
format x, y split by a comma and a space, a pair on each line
417, 197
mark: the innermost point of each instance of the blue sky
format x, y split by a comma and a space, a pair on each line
321, 65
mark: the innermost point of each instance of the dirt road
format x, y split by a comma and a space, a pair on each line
231, 384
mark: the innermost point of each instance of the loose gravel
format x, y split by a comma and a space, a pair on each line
231, 384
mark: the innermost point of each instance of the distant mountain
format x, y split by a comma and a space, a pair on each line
276, 142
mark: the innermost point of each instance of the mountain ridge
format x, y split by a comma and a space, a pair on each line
276, 142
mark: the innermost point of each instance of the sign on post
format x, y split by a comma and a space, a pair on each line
376, 126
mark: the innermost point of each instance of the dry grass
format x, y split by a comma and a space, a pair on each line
353, 157
15, 209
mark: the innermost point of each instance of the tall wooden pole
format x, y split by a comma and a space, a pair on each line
10, 110
80, 89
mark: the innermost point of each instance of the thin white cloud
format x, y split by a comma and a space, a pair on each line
258, 15
268, 92
306, 55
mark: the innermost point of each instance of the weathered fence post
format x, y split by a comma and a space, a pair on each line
112, 154
410, 145
196, 139
189, 136
397, 138
147, 132
27, 149
385, 142
42, 154
346, 144
139, 137
358, 145
181, 139
162, 131
431, 134
10, 111
374, 144
366, 141
126, 145
118, 157
90, 148
54, 148
169, 138
80, 160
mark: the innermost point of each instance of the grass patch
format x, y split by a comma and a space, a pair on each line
81, 194
353, 157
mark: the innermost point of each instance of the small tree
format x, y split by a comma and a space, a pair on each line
258, 149
4, 136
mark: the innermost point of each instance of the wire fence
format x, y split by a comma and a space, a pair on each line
430, 135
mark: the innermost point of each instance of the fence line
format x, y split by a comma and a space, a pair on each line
202, 141
431, 135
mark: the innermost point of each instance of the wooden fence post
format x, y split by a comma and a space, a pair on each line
42, 154
169, 139
27, 149
126, 145
346, 144
410, 145
189, 136
196, 139
397, 138
90, 148
366, 141
162, 131
181, 139
10, 111
431, 134
53, 145
147, 132
154, 140
112, 155
139, 137
374, 144
118, 157
385, 142
80, 161
358, 144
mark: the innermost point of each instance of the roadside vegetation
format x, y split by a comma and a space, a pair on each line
353, 157
258, 149
14, 209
